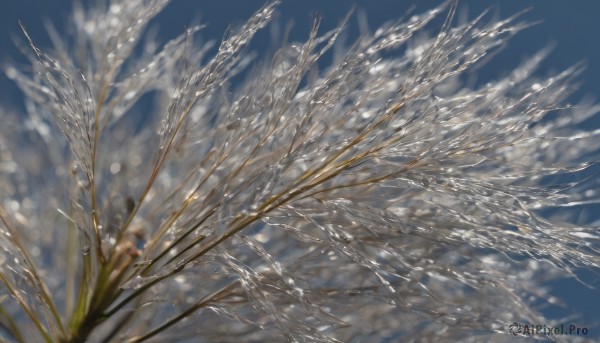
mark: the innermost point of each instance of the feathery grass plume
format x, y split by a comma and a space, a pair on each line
379, 198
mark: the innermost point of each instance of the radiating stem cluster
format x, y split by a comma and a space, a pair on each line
378, 198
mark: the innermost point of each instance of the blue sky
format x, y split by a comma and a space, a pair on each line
573, 28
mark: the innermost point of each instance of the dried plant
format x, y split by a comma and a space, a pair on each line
381, 198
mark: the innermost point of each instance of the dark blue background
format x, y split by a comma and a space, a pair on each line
572, 25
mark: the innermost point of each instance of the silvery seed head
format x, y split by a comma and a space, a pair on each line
380, 197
